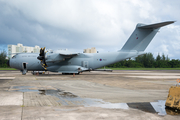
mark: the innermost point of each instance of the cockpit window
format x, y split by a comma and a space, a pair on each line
14, 56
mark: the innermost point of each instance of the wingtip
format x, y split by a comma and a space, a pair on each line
171, 21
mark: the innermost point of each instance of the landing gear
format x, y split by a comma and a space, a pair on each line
70, 73
24, 72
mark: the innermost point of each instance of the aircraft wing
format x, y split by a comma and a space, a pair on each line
69, 54
60, 56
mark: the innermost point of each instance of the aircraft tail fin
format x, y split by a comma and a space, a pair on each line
142, 36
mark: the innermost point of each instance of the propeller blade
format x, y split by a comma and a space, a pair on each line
41, 57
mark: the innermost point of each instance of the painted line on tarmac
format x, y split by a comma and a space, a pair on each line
7, 78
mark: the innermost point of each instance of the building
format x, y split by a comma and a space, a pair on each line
19, 48
88, 50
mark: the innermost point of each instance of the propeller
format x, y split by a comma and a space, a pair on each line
41, 57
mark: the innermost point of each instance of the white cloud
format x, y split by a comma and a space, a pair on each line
80, 24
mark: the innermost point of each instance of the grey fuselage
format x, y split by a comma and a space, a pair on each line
79, 63
86, 61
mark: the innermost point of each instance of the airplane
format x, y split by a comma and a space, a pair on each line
72, 62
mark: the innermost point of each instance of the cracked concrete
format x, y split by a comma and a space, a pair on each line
20, 98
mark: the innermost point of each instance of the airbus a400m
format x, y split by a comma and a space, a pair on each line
69, 62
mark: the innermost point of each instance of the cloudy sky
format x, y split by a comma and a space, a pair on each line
80, 24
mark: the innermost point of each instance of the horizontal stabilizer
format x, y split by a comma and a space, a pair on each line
157, 25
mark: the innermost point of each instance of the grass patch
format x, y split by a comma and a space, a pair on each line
8, 69
142, 68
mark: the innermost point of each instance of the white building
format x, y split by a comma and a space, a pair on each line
88, 50
19, 48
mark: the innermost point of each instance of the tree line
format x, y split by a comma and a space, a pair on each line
3, 60
148, 61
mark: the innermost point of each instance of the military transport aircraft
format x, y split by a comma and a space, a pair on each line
69, 62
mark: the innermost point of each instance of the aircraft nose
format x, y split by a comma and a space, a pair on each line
8, 63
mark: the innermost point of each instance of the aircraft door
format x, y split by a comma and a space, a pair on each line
24, 70
85, 64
